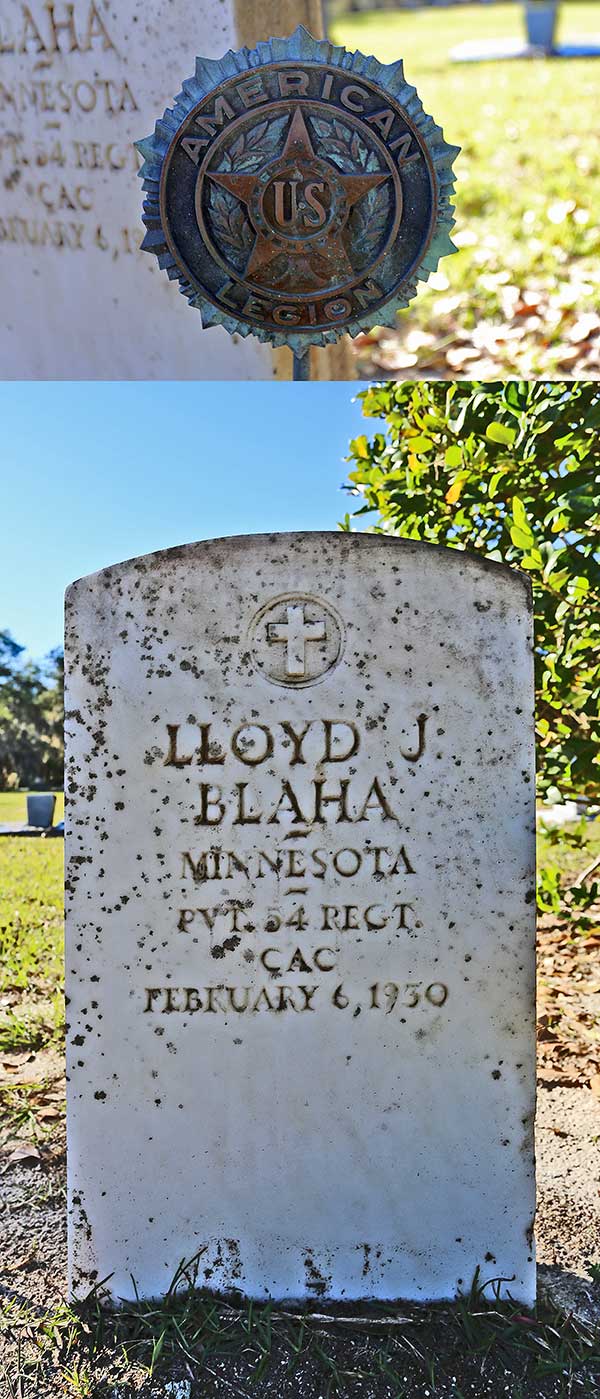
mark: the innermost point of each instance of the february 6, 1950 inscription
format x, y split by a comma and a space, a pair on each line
300, 925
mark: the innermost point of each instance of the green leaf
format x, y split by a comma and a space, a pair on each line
522, 539
419, 443
499, 432
578, 587
520, 531
360, 447
533, 559
454, 456
494, 481
519, 513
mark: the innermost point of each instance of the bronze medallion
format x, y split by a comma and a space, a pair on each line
301, 195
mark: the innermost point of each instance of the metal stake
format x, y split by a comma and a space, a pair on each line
301, 366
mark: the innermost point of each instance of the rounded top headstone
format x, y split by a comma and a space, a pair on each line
297, 191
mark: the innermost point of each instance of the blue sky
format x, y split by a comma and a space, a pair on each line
94, 473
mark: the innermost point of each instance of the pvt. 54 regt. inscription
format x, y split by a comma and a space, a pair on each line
297, 191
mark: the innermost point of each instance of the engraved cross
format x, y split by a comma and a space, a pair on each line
295, 634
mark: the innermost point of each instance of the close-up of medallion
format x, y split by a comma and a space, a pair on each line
297, 191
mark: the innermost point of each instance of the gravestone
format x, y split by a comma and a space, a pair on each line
40, 808
300, 930
540, 22
78, 82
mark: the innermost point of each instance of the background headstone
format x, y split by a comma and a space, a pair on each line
300, 936
79, 83
40, 808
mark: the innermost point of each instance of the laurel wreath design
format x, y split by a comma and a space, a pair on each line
226, 216
351, 155
229, 224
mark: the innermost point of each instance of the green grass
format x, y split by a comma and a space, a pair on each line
31, 915
13, 807
31, 956
248, 1349
529, 146
572, 850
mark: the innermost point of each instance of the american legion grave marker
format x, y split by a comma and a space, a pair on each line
300, 935
297, 190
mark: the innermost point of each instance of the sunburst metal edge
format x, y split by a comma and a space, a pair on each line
302, 47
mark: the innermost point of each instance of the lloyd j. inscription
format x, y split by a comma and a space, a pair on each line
300, 928
297, 191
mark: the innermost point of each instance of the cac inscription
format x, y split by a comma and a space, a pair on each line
300, 924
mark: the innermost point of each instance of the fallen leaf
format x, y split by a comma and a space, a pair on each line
555, 1079
465, 238
26, 1153
21, 1263
584, 327
560, 210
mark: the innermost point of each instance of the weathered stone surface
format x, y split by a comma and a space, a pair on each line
300, 940
79, 83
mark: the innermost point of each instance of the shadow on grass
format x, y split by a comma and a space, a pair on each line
193, 1343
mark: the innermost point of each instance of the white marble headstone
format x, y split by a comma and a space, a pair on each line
79, 83
300, 937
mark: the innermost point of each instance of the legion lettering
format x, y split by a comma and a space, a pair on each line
296, 313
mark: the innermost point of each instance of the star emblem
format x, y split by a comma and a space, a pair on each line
308, 251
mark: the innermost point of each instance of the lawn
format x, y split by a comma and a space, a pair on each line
31, 942
521, 297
